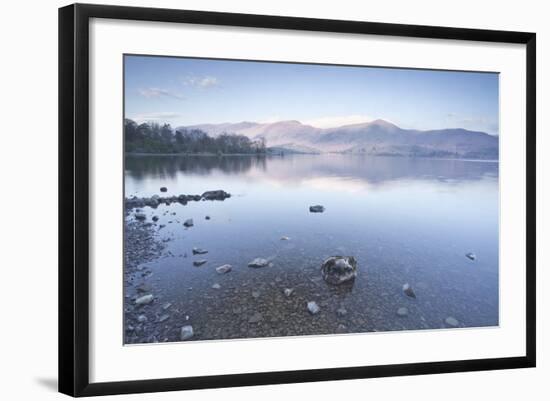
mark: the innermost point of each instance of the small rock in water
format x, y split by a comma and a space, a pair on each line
408, 291
317, 209
451, 321
313, 308
471, 256
188, 223
199, 251
164, 318
216, 286
223, 269
186, 333
144, 300
341, 312
285, 238
207, 217
166, 305
163, 189
402, 311
142, 318
288, 292
255, 318
140, 216
258, 262
155, 218
339, 269
199, 262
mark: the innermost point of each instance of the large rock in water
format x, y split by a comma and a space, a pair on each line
339, 269
215, 195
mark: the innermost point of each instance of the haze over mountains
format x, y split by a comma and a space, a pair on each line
378, 137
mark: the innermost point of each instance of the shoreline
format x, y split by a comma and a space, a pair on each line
133, 154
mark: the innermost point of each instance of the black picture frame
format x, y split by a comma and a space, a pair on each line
74, 198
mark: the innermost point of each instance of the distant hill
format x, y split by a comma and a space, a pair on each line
378, 137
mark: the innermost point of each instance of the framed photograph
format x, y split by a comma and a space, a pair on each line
250, 199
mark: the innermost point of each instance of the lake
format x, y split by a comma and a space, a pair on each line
405, 220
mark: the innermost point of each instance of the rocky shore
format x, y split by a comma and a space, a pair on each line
250, 296
156, 200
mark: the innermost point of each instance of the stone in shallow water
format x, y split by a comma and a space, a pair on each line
142, 318
255, 294
408, 291
451, 321
341, 312
471, 256
188, 223
317, 209
199, 251
288, 292
163, 189
313, 308
255, 318
258, 262
186, 332
164, 318
285, 238
402, 311
166, 305
199, 262
223, 269
144, 300
140, 216
216, 286
339, 269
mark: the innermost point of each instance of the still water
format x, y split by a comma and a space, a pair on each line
405, 220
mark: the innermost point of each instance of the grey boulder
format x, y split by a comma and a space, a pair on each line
339, 269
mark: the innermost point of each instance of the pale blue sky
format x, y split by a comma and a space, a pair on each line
183, 91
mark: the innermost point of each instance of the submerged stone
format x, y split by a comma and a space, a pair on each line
402, 311
471, 256
140, 216
408, 291
451, 321
313, 308
317, 209
186, 332
255, 318
258, 262
188, 223
199, 251
224, 269
144, 300
199, 262
339, 269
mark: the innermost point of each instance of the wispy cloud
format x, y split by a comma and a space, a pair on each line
158, 92
338, 121
162, 116
477, 123
201, 81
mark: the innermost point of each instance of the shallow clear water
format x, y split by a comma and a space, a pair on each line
405, 221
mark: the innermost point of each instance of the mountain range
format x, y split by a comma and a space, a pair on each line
378, 137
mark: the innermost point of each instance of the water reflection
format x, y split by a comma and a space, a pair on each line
308, 168
404, 220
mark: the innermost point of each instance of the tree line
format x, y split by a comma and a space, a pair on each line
161, 138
